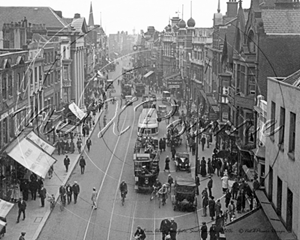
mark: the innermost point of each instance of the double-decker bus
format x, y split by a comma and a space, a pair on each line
148, 124
127, 74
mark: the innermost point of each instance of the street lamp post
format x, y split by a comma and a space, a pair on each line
196, 139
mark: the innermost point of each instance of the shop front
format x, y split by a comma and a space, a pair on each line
27, 154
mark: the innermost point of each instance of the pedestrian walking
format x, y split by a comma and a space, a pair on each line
227, 198
204, 202
218, 207
22, 237
210, 186
22, 207
224, 183
94, 199
203, 231
170, 182
211, 207
69, 192
239, 203
76, 190
173, 229
231, 210
62, 193
164, 228
235, 189
210, 168
219, 166
72, 146
67, 162
79, 144
213, 233
167, 164
203, 167
43, 194
33, 187
203, 141
82, 164
89, 144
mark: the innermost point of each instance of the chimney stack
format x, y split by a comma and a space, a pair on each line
232, 7
77, 15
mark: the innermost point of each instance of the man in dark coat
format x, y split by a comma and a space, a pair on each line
25, 189
69, 193
67, 162
203, 141
203, 230
167, 164
88, 144
213, 232
173, 229
227, 198
33, 187
76, 190
82, 164
211, 207
164, 228
210, 186
22, 207
43, 194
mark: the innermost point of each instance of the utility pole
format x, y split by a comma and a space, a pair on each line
196, 139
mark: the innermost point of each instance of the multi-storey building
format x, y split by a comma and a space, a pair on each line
282, 166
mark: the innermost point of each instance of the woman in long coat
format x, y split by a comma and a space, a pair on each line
203, 167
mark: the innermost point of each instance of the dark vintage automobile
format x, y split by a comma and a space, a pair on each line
182, 162
184, 198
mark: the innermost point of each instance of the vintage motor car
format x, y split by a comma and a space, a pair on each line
184, 198
182, 162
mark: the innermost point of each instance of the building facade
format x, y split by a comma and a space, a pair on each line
282, 166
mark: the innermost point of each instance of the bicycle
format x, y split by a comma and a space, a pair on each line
153, 194
63, 202
162, 197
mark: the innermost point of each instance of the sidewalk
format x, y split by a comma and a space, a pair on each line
36, 216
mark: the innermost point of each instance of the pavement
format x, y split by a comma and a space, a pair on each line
36, 216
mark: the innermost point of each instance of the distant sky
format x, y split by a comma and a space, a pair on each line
126, 15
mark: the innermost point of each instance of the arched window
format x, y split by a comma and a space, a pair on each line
250, 42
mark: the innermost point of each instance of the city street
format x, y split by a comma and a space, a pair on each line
109, 162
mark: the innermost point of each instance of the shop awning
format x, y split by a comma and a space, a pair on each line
260, 152
32, 157
211, 101
172, 76
77, 111
249, 172
148, 74
32, 136
67, 128
253, 225
5, 207
215, 109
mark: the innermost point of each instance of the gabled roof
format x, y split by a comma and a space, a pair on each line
34, 15
293, 79
281, 21
79, 25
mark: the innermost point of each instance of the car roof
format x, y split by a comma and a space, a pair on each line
188, 181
